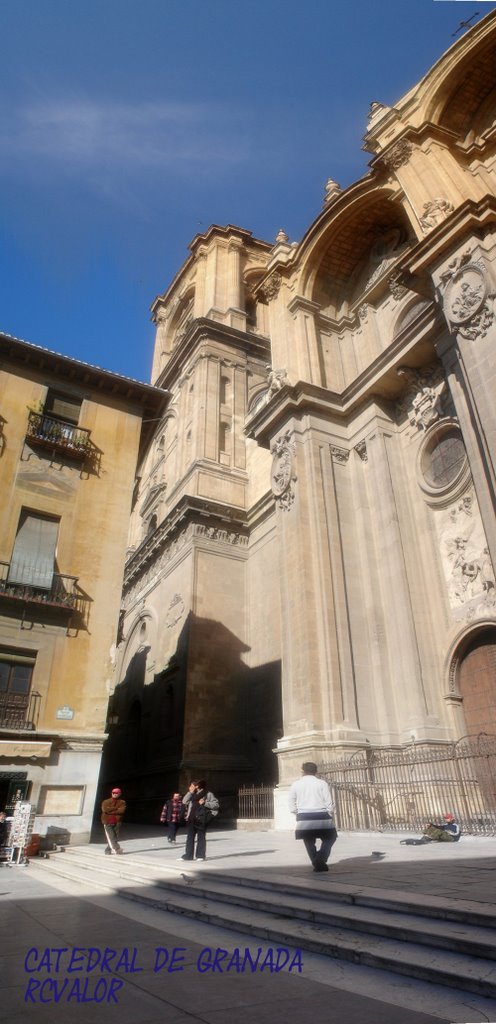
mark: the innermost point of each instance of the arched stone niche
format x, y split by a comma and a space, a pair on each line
356, 252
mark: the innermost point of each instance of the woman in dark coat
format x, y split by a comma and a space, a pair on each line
201, 807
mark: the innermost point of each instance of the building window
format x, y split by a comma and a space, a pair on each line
445, 460
33, 557
443, 457
16, 671
442, 465
224, 438
62, 407
225, 391
56, 427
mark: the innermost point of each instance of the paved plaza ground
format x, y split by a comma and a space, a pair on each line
41, 911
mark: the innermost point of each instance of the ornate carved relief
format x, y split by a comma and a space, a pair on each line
398, 291
275, 381
398, 155
425, 397
272, 286
465, 557
361, 450
435, 211
283, 474
223, 535
339, 455
466, 301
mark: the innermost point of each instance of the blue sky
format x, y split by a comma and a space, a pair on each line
128, 127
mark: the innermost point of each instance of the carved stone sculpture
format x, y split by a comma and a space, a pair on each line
466, 561
425, 397
276, 381
398, 155
467, 306
435, 211
283, 475
272, 286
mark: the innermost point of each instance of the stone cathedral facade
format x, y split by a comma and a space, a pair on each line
313, 541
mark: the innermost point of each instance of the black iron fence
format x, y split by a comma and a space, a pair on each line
402, 790
54, 433
256, 802
62, 592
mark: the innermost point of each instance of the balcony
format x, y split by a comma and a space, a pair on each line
19, 710
62, 593
58, 436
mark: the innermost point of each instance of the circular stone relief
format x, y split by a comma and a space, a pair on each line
465, 295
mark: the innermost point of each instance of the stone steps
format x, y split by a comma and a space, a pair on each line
420, 937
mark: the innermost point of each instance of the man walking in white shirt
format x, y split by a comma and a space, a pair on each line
310, 799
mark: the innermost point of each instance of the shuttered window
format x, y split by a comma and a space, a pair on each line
33, 557
62, 407
16, 671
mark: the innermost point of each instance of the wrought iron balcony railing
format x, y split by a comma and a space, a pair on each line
56, 434
62, 593
19, 710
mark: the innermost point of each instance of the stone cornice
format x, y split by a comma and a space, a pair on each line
414, 137
379, 381
189, 509
202, 331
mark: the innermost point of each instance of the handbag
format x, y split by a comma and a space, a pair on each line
203, 817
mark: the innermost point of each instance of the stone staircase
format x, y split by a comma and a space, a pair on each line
445, 942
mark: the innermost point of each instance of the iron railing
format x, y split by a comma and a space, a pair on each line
62, 593
256, 802
19, 710
403, 790
50, 432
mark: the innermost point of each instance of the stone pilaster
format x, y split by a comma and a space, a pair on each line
403, 655
319, 705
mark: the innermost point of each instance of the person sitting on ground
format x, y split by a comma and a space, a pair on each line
447, 831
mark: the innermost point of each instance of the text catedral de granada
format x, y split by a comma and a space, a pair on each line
91, 975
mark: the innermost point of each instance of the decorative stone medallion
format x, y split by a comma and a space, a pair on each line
465, 295
283, 475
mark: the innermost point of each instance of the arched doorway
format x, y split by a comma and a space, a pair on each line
477, 683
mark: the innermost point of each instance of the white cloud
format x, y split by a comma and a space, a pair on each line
85, 134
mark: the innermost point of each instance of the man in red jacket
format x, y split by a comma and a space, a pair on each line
113, 809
